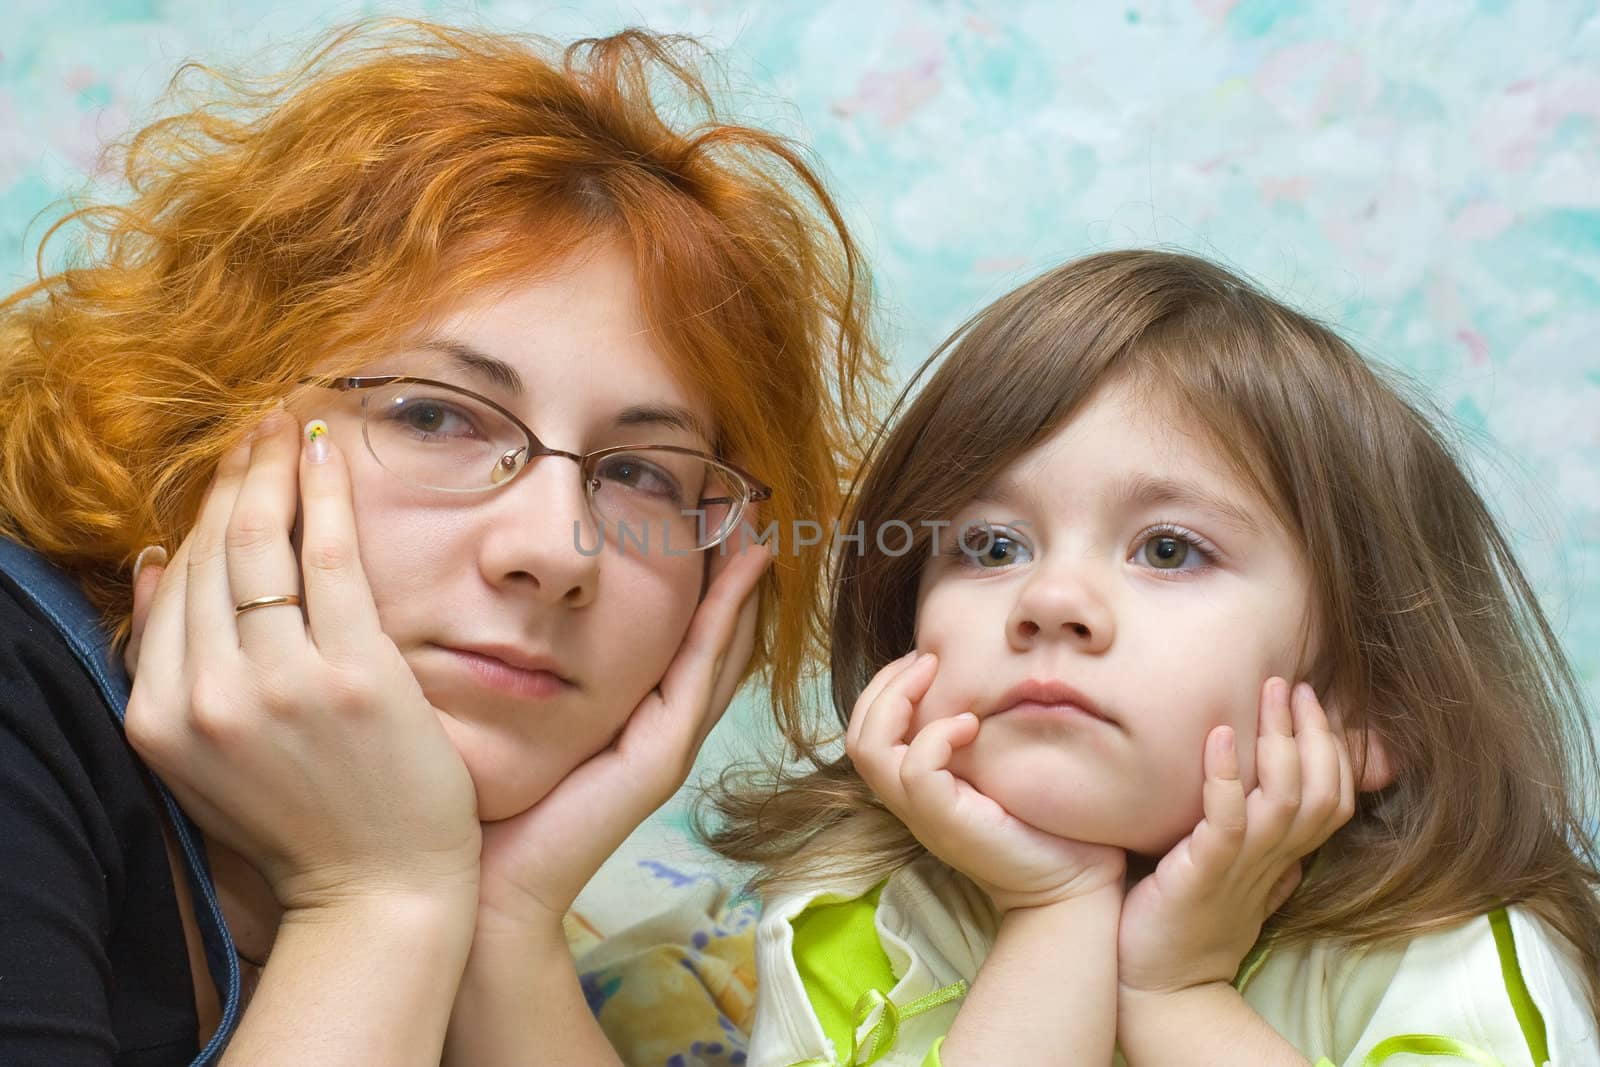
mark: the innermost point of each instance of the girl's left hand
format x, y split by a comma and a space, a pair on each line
534, 864
1193, 919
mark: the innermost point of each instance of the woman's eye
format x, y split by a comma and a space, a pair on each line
429, 419
640, 476
988, 547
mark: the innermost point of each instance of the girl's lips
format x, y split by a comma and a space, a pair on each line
1048, 696
1033, 708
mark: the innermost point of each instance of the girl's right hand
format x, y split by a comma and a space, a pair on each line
301, 741
1017, 865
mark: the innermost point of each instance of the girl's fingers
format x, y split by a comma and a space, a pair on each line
1276, 799
885, 721
1319, 765
925, 778
881, 726
1277, 718
208, 597
1347, 781
1283, 888
889, 672
1216, 841
1306, 711
261, 560
338, 602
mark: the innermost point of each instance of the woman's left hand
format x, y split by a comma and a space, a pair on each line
535, 863
1192, 920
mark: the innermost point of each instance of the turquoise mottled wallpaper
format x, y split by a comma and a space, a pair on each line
1424, 175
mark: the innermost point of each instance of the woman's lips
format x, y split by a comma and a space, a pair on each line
522, 682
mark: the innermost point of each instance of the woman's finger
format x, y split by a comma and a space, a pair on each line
733, 657
691, 677
148, 567
159, 675
338, 602
261, 560
210, 633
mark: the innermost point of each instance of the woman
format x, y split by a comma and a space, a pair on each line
407, 707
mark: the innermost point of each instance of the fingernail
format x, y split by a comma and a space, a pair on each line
269, 423
316, 441
1225, 741
1303, 691
148, 554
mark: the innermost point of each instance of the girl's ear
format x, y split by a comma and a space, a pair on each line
1370, 756
1376, 768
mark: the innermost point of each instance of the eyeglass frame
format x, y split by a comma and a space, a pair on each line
758, 490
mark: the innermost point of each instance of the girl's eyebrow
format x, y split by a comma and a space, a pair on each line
1145, 489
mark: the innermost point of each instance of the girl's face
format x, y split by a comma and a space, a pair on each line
533, 652
1135, 596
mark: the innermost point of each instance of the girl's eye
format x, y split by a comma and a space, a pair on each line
992, 547
1166, 553
1172, 548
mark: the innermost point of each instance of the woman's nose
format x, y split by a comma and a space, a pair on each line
539, 535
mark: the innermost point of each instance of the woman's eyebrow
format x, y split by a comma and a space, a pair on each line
482, 365
668, 415
1145, 489
478, 363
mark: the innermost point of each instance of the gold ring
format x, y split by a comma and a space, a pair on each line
265, 602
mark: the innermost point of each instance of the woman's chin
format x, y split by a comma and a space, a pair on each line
510, 774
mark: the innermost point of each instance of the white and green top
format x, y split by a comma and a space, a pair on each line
874, 974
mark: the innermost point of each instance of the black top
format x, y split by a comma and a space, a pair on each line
93, 963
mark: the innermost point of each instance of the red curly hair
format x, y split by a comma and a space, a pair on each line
328, 211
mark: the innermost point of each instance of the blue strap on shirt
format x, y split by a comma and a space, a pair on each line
59, 600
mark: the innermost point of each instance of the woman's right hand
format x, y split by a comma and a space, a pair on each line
1016, 864
300, 740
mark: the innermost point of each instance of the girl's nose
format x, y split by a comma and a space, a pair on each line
1063, 603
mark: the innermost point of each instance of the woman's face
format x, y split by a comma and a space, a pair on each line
533, 652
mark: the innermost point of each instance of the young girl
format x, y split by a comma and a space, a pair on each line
1145, 499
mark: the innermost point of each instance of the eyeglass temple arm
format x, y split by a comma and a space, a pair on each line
755, 495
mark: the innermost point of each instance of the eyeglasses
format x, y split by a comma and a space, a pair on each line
439, 436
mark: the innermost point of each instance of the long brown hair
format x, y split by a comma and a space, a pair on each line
275, 223
1430, 634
